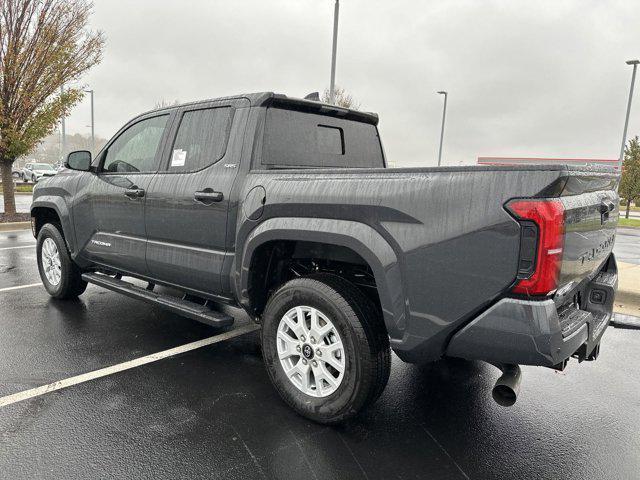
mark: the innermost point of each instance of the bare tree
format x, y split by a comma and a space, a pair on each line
342, 98
44, 44
162, 103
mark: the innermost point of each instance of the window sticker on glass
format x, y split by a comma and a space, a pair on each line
178, 158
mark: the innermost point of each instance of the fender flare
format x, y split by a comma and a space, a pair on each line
58, 205
359, 237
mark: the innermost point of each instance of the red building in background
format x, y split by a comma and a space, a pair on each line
529, 160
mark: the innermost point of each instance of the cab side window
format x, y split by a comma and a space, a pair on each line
136, 148
201, 139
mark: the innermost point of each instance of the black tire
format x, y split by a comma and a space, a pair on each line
366, 346
71, 284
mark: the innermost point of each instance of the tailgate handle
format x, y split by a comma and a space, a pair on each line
606, 207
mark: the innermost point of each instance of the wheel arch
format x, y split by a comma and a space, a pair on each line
359, 238
52, 210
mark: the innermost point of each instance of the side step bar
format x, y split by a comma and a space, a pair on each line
186, 308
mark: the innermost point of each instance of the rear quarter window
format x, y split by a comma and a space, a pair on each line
201, 139
301, 139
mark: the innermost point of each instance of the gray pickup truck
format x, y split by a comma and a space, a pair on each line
285, 208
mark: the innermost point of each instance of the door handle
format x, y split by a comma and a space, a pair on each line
208, 195
134, 192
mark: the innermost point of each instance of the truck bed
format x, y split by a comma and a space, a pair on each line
455, 246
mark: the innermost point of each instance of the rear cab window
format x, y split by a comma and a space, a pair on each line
300, 139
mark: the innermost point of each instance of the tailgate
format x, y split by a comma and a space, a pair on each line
591, 218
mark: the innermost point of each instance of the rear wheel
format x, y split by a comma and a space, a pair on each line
325, 347
61, 277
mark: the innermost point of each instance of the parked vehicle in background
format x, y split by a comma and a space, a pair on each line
285, 208
32, 172
16, 174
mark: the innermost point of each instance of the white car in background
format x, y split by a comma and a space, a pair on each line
32, 172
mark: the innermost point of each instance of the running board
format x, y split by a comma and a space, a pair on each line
186, 308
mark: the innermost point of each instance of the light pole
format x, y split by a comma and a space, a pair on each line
93, 138
626, 119
63, 139
444, 115
332, 84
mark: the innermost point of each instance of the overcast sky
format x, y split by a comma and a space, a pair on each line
543, 78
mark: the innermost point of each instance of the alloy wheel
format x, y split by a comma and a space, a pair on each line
50, 257
311, 351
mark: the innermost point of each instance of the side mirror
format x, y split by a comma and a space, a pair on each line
79, 160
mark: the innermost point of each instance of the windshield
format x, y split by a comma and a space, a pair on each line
42, 166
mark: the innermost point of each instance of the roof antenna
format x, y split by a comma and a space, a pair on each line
315, 96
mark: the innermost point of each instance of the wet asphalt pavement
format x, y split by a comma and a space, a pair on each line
212, 412
23, 203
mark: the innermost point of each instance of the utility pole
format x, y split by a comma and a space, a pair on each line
93, 138
626, 119
444, 114
63, 146
332, 84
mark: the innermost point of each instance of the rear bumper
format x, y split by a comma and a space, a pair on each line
530, 332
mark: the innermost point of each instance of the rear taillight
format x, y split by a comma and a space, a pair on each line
548, 217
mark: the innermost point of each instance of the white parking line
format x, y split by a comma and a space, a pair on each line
103, 372
19, 287
21, 246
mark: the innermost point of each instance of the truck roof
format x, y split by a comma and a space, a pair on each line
283, 101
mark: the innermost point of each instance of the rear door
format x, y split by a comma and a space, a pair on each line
109, 204
189, 199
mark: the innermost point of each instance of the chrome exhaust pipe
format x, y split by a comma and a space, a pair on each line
505, 391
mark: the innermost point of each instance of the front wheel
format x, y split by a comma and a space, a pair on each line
61, 277
325, 347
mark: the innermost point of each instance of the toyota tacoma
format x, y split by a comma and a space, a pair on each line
286, 208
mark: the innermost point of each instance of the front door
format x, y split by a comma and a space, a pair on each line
109, 204
187, 203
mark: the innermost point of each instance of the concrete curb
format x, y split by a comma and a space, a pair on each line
627, 302
628, 294
625, 321
9, 226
